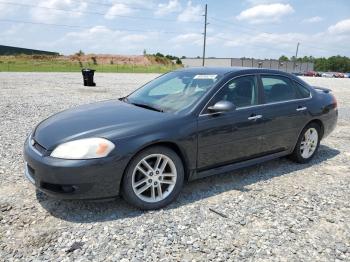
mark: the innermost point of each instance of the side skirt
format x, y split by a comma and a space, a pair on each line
238, 165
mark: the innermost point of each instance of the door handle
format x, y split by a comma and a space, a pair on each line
255, 117
301, 108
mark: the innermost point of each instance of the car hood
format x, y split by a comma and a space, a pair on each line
110, 119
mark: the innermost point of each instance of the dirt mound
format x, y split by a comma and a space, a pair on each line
111, 59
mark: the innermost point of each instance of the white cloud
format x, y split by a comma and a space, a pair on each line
109, 41
192, 13
268, 45
6, 10
118, 9
342, 27
171, 7
190, 38
96, 32
49, 14
314, 19
134, 38
288, 39
260, 2
265, 13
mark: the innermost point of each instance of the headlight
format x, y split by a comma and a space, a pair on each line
84, 149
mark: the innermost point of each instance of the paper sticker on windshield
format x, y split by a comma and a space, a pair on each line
205, 77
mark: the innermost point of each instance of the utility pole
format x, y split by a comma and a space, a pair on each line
205, 32
296, 56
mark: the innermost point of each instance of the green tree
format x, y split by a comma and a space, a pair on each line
159, 54
333, 63
80, 53
283, 58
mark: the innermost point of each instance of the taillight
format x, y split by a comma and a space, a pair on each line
335, 103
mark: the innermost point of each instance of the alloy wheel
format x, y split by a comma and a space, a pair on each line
309, 143
154, 178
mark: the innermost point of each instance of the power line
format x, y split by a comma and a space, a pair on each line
86, 27
257, 46
226, 22
244, 28
111, 5
92, 13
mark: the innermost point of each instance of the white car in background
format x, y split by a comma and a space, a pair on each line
327, 74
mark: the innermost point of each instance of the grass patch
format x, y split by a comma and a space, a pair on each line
53, 64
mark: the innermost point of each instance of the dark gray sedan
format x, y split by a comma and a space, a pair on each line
183, 125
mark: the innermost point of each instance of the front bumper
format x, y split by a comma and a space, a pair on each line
74, 179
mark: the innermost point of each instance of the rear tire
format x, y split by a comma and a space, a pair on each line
153, 179
307, 144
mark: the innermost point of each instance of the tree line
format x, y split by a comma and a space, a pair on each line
332, 64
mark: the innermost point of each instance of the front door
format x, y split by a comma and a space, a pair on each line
232, 136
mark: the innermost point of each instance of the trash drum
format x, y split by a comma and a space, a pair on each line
88, 77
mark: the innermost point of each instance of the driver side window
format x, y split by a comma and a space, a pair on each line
241, 91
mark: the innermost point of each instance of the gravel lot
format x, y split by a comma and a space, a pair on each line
278, 211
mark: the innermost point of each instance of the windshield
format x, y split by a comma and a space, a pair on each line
173, 91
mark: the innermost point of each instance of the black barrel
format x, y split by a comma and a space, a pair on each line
88, 77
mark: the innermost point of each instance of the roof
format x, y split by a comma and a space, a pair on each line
12, 50
226, 70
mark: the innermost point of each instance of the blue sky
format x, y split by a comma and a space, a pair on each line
250, 28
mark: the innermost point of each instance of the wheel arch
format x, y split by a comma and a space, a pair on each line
316, 121
173, 146
319, 123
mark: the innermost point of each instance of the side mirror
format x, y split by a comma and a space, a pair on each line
222, 107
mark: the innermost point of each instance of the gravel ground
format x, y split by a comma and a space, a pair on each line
278, 211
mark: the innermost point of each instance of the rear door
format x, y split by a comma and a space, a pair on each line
284, 112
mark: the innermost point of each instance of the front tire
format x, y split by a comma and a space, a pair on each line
153, 179
307, 144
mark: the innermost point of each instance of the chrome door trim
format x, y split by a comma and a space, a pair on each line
259, 105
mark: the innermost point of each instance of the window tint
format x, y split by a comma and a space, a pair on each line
278, 88
242, 91
174, 91
173, 86
303, 91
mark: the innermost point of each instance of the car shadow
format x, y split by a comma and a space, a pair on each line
80, 211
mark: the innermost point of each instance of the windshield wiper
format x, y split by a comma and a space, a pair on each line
148, 107
124, 99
